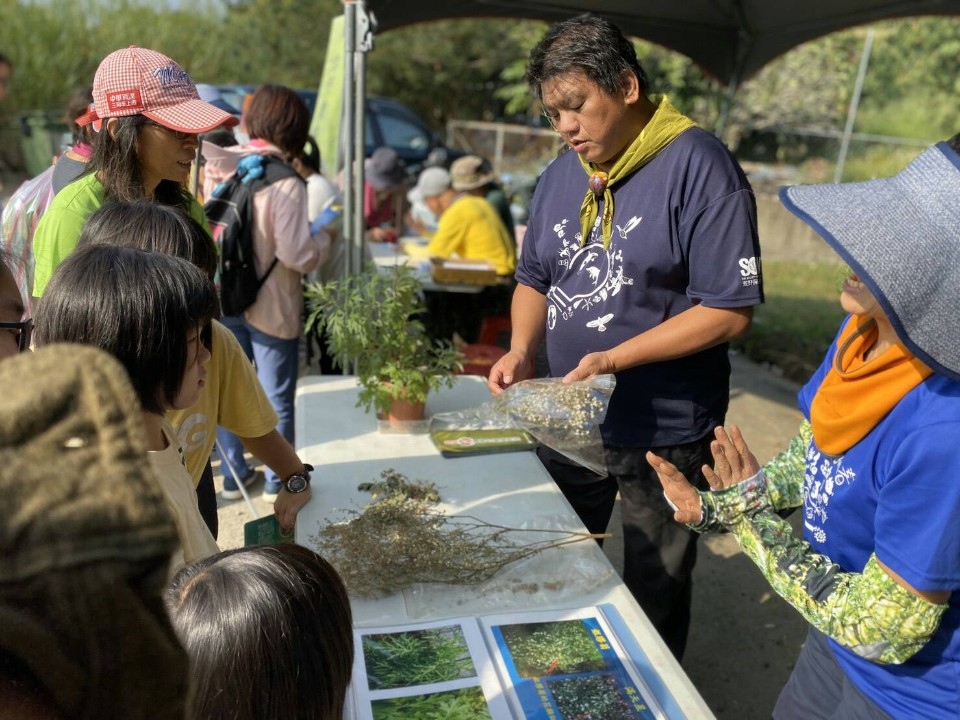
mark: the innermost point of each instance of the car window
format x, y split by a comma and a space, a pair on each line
371, 139
400, 133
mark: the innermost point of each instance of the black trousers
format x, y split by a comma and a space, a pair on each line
658, 552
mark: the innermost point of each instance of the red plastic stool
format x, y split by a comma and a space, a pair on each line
479, 358
491, 327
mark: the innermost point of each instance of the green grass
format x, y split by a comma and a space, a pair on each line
794, 327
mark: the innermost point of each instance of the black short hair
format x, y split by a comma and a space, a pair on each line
278, 115
589, 44
311, 154
268, 631
136, 305
221, 137
153, 227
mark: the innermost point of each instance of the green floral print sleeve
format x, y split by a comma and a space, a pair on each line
867, 612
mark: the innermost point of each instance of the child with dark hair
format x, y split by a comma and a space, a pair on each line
268, 631
232, 395
152, 312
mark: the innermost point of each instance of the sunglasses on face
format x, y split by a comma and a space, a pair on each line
178, 134
24, 330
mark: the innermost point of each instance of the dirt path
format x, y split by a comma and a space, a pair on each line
744, 639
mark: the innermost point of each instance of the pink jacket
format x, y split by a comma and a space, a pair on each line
281, 230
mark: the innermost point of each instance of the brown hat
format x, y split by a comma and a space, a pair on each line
470, 172
85, 540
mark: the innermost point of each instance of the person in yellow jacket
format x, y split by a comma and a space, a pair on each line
468, 225
468, 228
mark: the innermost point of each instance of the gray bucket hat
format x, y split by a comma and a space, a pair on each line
901, 236
385, 169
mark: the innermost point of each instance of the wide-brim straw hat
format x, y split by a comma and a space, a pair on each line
901, 236
470, 172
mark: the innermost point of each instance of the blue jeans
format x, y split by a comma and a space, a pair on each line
277, 363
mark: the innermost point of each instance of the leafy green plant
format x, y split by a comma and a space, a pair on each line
597, 697
371, 320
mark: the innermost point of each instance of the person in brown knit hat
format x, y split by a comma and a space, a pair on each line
85, 546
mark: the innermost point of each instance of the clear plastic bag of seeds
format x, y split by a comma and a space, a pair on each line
563, 416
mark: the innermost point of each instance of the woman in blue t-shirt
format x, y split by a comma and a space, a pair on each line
876, 468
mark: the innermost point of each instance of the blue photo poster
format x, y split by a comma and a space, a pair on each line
570, 669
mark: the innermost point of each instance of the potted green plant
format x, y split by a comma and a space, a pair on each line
371, 322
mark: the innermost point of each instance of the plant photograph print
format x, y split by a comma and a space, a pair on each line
592, 697
463, 704
417, 657
552, 648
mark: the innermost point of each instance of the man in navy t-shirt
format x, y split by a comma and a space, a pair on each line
641, 259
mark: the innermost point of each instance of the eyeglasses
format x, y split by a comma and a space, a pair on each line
178, 134
552, 119
24, 330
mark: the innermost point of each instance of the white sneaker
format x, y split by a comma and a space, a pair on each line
234, 493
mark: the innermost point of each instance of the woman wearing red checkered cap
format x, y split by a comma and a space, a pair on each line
148, 115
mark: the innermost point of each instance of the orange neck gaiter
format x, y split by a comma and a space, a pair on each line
857, 394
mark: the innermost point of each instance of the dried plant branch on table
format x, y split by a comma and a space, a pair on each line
394, 544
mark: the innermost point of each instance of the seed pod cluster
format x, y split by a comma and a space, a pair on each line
565, 409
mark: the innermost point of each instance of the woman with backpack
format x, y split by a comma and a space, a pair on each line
277, 121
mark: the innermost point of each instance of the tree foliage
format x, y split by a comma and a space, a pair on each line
447, 69
474, 69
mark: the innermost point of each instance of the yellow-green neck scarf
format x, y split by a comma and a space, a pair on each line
665, 125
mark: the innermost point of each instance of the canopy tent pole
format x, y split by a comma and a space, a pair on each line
854, 105
358, 28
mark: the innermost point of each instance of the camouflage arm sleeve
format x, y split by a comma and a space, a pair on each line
868, 612
785, 472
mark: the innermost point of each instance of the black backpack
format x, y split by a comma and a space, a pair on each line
230, 214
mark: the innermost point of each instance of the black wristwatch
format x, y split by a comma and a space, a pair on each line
298, 481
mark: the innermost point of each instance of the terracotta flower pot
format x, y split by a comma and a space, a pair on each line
404, 411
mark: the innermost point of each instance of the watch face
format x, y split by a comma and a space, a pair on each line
296, 483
